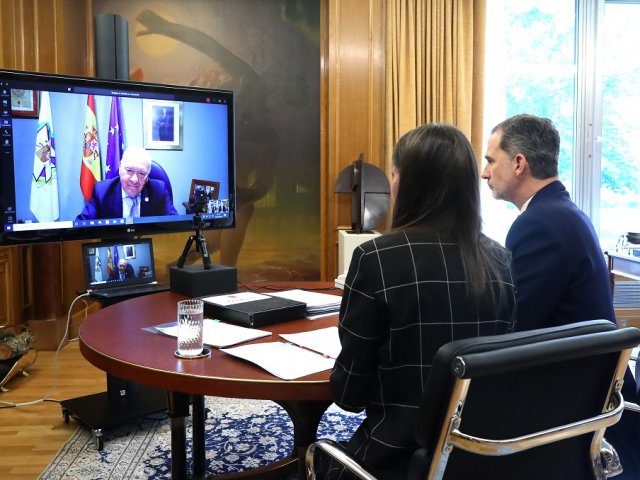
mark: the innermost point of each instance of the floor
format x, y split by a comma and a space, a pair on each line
31, 435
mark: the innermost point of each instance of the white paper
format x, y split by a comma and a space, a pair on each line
318, 304
312, 299
284, 360
218, 334
233, 298
324, 340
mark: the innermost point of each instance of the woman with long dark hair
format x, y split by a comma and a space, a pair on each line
432, 279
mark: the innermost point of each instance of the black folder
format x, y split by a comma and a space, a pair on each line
257, 313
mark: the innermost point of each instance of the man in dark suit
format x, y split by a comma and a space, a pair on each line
130, 195
558, 265
124, 271
559, 268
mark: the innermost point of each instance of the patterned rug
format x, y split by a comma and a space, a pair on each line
240, 435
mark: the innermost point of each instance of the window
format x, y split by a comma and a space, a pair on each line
620, 145
529, 68
543, 57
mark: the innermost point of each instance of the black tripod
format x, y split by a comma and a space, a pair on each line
201, 243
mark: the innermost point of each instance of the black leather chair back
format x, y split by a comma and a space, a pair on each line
522, 383
159, 173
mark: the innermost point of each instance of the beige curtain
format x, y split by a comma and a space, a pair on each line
434, 66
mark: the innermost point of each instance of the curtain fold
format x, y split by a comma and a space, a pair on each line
434, 66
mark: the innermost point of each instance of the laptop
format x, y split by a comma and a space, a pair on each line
120, 268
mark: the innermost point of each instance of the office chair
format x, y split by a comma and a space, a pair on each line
158, 173
524, 405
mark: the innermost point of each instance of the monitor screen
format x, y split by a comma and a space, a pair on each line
93, 158
118, 263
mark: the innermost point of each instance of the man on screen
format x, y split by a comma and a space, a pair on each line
130, 195
124, 271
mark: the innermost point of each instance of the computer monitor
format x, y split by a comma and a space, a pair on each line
62, 139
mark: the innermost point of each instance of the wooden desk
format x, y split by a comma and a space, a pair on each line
113, 340
627, 266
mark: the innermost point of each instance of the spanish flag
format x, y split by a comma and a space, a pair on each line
90, 169
109, 262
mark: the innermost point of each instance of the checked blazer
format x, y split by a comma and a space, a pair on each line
405, 295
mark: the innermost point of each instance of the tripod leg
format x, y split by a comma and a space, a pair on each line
205, 253
187, 247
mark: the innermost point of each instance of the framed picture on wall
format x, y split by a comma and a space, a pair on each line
162, 122
24, 103
129, 251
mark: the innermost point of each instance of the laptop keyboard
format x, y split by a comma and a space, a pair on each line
132, 290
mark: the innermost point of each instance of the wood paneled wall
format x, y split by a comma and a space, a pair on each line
48, 36
353, 107
57, 36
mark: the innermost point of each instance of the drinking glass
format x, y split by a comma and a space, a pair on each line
190, 315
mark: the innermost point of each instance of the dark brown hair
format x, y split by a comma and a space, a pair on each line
439, 191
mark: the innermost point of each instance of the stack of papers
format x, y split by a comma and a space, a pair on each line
289, 361
318, 304
284, 360
218, 334
324, 340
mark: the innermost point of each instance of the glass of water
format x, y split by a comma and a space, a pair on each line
190, 315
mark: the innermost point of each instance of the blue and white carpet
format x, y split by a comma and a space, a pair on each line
240, 435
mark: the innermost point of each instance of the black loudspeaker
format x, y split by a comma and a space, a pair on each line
196, 281
118, 387
111, 33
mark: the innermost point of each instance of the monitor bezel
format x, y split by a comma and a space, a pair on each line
147, 90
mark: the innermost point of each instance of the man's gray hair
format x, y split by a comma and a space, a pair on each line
534, 137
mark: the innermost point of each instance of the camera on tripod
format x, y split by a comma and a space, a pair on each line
198, 204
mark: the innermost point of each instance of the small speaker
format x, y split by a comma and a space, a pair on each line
118, 387
195, 281
111, 33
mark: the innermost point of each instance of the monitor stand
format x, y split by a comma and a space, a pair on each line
122, 403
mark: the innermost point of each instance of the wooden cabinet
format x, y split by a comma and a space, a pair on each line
6, 288
15, 297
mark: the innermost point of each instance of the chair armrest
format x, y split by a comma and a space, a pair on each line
339, 454
494, 447
632, 407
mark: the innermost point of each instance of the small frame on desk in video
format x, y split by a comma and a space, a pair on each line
207, 188
205, 193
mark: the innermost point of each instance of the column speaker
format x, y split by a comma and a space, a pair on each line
112, 46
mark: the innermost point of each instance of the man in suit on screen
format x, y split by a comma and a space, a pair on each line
132, 194
123, 272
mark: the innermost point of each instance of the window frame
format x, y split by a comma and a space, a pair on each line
587, 150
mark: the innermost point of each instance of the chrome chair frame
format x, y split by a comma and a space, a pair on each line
602, 456
452, 437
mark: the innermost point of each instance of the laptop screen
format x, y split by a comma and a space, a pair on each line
118, 263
